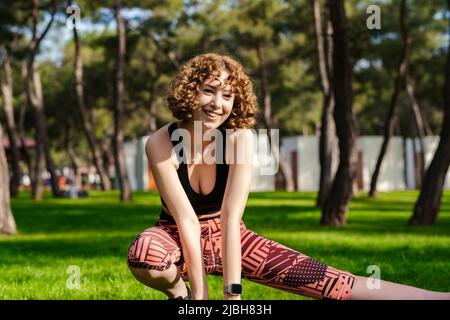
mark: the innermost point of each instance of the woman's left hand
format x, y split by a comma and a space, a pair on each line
227, 296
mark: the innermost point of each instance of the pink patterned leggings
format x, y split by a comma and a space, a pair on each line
263, 261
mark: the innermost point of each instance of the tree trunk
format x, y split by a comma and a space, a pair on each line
152, 108
119, 152
286, 171
391, 116
87, 124
335, 208
152, 116
36, 100
37, 187
418, 123
75, 164
427, 206
324, 51
152, 126
23, 146
426, 124
7, 91
170, 55
7, 222
42, 140
107, 153
73, 159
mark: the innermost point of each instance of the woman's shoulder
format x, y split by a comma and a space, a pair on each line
160, 136
159, 143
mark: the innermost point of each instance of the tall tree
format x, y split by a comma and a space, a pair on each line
85, 119
335, 208
427, 206
6, 84
418, 123
253, 26
391, 118
7, 222
269, 120
74, 161
324, 58
36, 100
21, 125
119, 86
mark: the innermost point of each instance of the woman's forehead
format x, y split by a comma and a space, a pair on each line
219, 81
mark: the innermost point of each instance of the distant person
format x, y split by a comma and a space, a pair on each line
200, 229
72, 188
61, 182
26, 180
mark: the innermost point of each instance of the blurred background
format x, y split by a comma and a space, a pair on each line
84, 85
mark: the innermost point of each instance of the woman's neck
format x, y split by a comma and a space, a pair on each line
197, 142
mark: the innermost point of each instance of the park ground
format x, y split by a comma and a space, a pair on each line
59, 239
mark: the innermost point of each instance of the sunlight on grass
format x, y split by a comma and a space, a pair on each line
94, 233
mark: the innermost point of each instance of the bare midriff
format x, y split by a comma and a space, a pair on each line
200, 216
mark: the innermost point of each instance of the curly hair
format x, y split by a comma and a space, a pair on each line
183, 92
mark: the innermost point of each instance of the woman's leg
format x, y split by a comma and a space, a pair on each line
267, 262
169, 281
152, 259
393, 291
270, 263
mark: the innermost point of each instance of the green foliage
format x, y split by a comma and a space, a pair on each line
163, 34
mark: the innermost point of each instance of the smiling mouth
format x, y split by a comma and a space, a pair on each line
211, 114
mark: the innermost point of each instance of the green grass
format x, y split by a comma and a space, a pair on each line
94, 234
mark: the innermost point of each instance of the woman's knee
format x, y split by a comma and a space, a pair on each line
153, 253
158, 279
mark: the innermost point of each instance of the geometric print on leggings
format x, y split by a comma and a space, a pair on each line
273, 264
153, 249
291, 269
264, 261
279, 263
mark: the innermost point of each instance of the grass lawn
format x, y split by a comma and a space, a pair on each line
94, 234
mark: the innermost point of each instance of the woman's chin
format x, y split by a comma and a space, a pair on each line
210, 123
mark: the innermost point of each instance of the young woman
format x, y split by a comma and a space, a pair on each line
200, 229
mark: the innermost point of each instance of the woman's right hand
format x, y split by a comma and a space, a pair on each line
193, 257
163, 166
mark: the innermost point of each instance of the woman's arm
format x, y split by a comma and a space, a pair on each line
233, 205
173, 194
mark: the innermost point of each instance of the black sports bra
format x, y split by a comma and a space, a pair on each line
202, 204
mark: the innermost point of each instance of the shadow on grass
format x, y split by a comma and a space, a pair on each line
103, 213
102, 227
104, 244
75, 218
362, 222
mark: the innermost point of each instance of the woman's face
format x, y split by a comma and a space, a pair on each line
216, 102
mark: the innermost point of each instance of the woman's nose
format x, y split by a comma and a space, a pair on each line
215, 103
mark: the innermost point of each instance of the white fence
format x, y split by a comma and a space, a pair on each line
398, 171
141, 178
